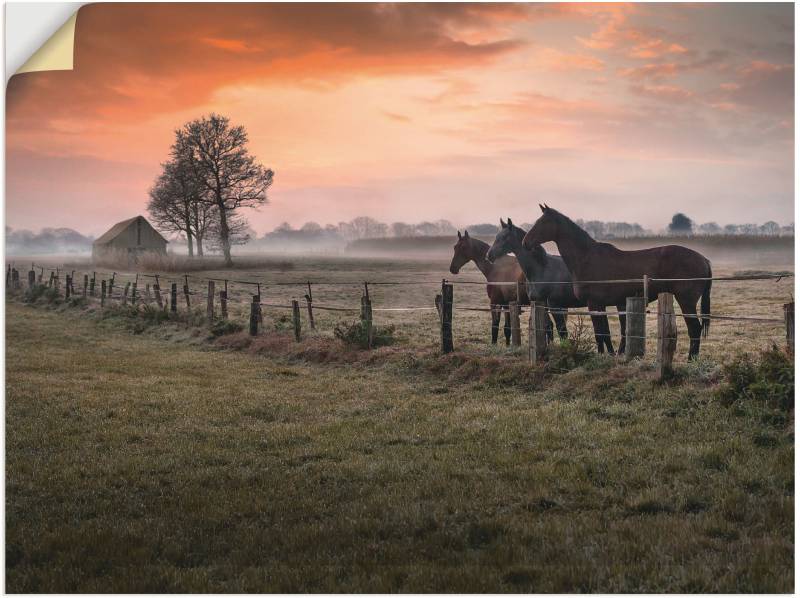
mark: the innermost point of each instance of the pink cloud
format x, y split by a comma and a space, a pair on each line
664, 93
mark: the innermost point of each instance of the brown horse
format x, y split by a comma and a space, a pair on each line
505, 269
589, 260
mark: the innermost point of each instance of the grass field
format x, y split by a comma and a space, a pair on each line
165, 461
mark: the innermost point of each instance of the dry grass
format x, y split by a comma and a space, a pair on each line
148, 463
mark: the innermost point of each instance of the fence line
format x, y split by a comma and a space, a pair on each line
444, 304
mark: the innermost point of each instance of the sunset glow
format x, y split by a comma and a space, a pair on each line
410, 112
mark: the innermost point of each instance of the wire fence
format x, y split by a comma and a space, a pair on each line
171, 290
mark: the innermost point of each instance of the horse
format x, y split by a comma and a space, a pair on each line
504, 270
590, 260
551, 270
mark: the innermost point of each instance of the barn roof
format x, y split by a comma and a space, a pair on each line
113, 232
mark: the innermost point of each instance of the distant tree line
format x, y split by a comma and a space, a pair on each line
362, 227
208, 179
681, 224
48, 240
365, 227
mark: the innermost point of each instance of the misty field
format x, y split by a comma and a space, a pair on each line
147, 457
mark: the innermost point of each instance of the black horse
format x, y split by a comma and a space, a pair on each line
546, 276
590, 260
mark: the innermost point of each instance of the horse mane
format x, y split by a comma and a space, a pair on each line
479, 245
577, 232
539, 254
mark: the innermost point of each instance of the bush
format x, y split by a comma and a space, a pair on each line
767, 379
355, 335
42, 293
223, 327
576, 350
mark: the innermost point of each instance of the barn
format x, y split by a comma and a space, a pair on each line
129, 238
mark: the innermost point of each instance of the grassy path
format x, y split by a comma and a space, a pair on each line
139, 465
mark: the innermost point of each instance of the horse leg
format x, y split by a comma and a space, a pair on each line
601, 329
507, 329
561, 323
549, 329
495, 325
693, 325
597, 325
607, 335
622, 329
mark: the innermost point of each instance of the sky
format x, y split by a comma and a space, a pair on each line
410, 112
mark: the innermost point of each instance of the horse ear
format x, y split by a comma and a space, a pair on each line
509, 223
502, 224
542, 207
459, 234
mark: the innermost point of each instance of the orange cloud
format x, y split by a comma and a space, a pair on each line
232, 45
135, 59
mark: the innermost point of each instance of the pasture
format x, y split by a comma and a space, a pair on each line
168, 460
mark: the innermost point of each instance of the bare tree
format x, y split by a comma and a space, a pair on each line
171, 201
239, 233
228, 173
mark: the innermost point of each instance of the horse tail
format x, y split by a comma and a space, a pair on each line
705, 304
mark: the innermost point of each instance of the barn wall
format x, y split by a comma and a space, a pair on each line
127, 240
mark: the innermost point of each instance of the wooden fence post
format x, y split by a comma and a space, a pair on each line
254, 309
85, 284
537, 332
309, 299
67, 286
92, 284
186, 293
296, 318
157, 293
210, 305
111, 284
41, 275
667, 334
31, 278
133, 290
260, 313
366, 319
147, 296
513, 310
788, 318
125, 294
173, 298
635, 327
102, 293
447, 317
8, 276
223, 302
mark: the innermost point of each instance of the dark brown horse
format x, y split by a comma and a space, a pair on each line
505, 269
590, 260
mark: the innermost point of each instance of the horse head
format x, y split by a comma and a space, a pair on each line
503, 242
462, 252
543, 230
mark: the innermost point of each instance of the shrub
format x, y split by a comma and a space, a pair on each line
766, 379
223, 327
355, 335
42, 293
572, 352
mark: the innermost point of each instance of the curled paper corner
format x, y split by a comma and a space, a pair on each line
57, 53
